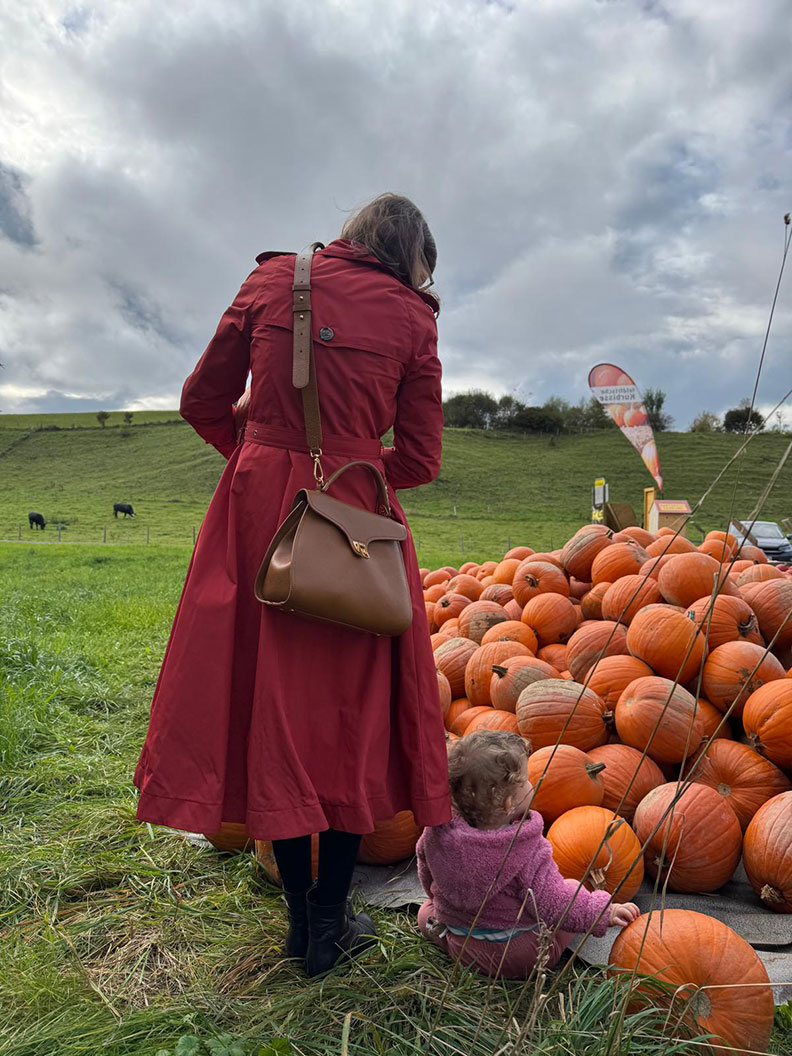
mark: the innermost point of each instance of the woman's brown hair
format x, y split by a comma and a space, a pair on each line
394, 229
483, 769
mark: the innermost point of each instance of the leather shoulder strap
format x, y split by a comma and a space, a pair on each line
303, 367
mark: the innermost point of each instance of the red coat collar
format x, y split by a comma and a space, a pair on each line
343, 248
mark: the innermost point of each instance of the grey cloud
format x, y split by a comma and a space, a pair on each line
15, 221
604, 181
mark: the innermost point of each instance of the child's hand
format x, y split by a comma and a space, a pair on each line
623, 913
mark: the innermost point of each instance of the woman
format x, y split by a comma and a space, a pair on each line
290, 726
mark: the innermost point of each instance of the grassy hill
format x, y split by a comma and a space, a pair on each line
492, 488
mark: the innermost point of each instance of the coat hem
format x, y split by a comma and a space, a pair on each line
286, 823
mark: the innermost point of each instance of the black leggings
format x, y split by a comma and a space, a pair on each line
337, 856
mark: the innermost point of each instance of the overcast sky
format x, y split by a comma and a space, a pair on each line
605, 180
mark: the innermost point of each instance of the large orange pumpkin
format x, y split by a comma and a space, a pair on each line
627, 595
449, 607
729, 619
444, 690
512, 631
611, 675
230, 837
558, 710
695, 843
467, 585
758, 574
628, 777
511, 677
504, 573
767, 853
538, 577
743, 777
592, 842
670, 544
654, 714
477, 618
457, 707
520, 552
555, 655
753, 554
578, 554
688, 577
772, 603
712, 972
451, 658
591, 643
498, 592
563, 777
667, 642
617, 560
266, 860
391, 841
591, 603
767, 720
712, 721
638, 535
552, 618
734, 670
492, 719
464, 719
478, 673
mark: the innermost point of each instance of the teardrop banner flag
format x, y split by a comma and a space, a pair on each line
619, 395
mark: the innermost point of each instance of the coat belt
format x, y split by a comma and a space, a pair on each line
295, 440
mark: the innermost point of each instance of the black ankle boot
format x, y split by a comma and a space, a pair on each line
335, 932
297, 935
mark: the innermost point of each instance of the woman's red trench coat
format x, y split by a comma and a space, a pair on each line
258, 716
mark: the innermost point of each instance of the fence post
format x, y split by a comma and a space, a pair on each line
19, 533
148, 534
508, 543
193, 535
455, 513
462, 544
104, 534
59, 531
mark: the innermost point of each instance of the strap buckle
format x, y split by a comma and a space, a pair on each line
318, 472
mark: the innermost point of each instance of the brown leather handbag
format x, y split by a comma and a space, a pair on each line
329, 560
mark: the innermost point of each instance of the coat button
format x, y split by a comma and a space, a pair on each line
327, 333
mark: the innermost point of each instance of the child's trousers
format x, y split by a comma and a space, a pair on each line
512, 960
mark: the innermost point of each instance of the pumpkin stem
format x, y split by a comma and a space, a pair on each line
607, 718
597, 879
594, 768
771, 895
724, 789
499, 670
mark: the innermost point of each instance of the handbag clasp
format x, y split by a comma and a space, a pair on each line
316, 454
360, 548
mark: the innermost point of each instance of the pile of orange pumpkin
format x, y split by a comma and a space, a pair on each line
629, 661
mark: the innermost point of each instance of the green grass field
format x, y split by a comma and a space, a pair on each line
124, 939
493, 489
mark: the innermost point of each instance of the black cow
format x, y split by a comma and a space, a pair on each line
36, 519
123, 507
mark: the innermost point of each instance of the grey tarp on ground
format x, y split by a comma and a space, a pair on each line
736, 904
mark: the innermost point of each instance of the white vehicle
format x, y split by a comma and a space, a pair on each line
769, 538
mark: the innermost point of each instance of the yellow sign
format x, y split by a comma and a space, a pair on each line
672, 506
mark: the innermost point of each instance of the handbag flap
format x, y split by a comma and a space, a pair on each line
359, 526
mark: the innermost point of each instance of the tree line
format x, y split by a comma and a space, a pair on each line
477, 409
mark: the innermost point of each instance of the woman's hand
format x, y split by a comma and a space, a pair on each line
623, 913
241, 412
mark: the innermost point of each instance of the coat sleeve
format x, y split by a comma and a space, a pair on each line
424, 872
563, 903
219, 377
418, 428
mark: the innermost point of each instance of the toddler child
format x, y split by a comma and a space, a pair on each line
458, 862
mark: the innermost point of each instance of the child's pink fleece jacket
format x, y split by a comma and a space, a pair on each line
457, 864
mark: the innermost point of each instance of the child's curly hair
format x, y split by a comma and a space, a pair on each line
483, 769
